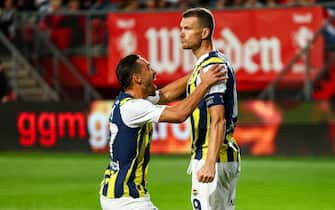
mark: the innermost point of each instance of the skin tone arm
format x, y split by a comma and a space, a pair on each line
183, 109
173, 90
216, 135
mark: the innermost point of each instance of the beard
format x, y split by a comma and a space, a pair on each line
151, 89
185, 47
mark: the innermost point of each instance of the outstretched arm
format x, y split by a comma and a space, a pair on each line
184, 108
173, 90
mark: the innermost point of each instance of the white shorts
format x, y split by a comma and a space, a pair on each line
219, 194
127, 203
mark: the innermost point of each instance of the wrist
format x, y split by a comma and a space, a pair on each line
154, 99
210, 162
206, 84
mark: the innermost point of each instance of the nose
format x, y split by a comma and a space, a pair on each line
154, 74
181, 34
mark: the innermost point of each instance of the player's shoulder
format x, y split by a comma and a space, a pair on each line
213, 58
136, 103
134, 108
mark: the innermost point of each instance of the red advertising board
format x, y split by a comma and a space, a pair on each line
263, 128
259, 43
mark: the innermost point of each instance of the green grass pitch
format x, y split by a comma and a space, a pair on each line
49, 181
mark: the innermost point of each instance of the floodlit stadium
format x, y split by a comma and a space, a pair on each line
59, 84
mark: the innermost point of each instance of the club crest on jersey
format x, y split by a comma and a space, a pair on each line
195, 192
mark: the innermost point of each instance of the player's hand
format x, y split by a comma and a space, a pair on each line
214, 74
206, 173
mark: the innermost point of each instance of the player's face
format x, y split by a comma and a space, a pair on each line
190, 33
148, 75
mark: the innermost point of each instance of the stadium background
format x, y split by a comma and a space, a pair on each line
59, 63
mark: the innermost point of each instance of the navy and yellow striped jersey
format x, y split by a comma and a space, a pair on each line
223, 93
126, 174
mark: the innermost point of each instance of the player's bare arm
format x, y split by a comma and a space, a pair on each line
183, 109
173, 90
216, 135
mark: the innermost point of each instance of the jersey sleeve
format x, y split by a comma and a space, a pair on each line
137, 112
214, 95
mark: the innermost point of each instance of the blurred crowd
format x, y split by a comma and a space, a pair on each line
46, 6
8, 8
68, 31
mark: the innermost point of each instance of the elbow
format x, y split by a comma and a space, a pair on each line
164, 96
219, 122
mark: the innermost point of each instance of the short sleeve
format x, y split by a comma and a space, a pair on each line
219, 87
137, 112
214, 95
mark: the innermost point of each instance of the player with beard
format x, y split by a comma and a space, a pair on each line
124, 185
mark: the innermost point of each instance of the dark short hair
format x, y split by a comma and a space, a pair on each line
205, 17
125, 70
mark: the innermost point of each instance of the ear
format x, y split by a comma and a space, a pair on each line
205, 33
137, 78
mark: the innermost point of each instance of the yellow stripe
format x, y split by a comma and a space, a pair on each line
147, 142
235, 154
125, 185
193, 79
205, 145
111, 183
139, 170
223, 153
123, 101
196, 117
212, 60
196, 112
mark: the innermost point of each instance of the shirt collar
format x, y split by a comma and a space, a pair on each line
204, 56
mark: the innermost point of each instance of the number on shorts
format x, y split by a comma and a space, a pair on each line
196, 204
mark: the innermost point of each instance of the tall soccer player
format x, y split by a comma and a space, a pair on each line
215, 163
124, 186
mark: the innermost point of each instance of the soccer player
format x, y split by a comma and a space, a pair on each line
124, 186
215, 163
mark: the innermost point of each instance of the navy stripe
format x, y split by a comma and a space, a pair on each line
188, 89
213, 53
145, 165
132, 187
230, 154
229, 100
200, 141
104, 189
192, 131
201, 138
119, 182
133, 192
210, 55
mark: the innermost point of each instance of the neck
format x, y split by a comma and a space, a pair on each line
206, 46
135, 92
